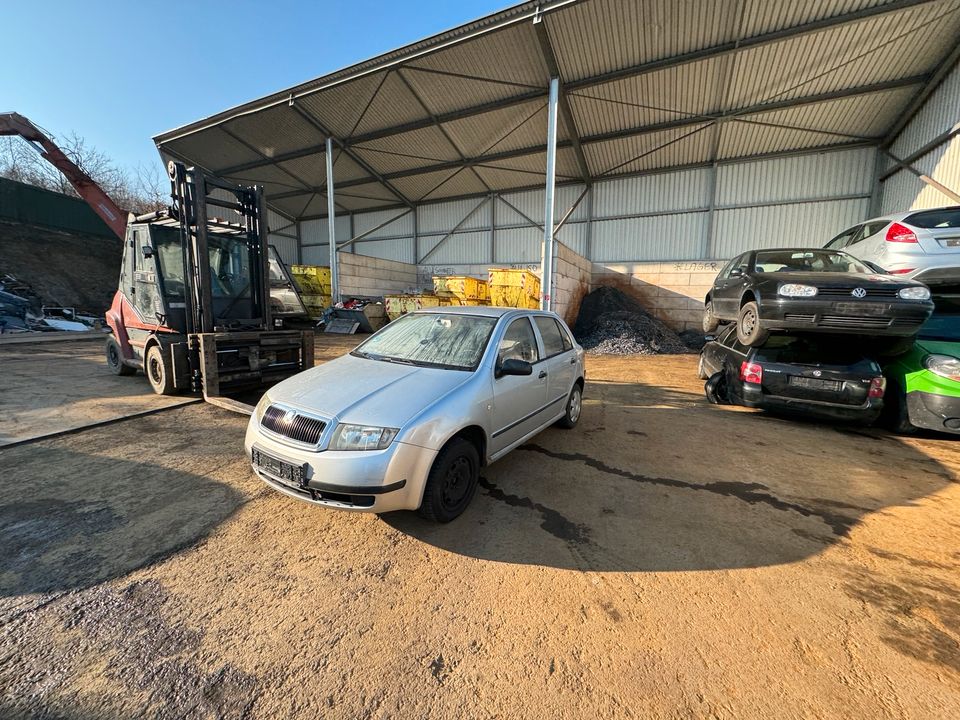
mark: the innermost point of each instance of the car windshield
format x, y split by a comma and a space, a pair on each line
442, 340
769, 261
944, 324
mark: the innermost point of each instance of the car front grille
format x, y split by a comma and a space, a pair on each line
291, 424
854, 321
889, 293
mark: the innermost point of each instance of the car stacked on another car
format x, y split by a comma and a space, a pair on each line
813, 291
919, 244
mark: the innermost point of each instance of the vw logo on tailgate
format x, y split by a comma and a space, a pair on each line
858, 293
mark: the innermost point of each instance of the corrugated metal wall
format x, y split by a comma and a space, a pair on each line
797, 199
904, 190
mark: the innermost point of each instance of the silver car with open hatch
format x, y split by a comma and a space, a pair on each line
406, 420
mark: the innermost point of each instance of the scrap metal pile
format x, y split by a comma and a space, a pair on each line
612, 323
22, 310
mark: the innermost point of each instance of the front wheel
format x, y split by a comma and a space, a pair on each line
452, 481
159, 370
895, 415
710, 321
574, 406
749, 332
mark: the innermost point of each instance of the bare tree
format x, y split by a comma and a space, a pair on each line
139, 191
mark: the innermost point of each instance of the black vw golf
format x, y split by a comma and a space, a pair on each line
813, 290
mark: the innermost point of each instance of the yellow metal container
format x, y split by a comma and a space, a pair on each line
312, 279
398, 305
510, 296
315, 303
461, 286
514, 288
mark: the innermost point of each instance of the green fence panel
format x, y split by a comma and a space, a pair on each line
36, 206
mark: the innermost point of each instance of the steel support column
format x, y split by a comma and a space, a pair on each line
332, 227
546, 280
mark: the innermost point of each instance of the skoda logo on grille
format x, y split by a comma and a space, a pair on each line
858, 293
289, 416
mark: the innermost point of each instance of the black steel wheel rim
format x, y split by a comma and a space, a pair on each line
456, 482
749, 322
156, 372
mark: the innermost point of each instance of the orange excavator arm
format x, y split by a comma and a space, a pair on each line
15, 124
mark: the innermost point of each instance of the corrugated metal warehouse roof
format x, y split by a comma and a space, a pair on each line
644, 85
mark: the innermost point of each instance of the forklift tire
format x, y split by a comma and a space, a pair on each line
115, 359
159, 370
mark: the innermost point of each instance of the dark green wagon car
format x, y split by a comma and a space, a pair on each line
923, 385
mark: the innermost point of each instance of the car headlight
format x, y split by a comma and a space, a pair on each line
943, 365
914, 293
261, 407
796, 290
361, 437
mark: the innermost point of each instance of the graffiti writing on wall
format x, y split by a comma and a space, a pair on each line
695, 267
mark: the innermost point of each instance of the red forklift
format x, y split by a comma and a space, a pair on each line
193, 308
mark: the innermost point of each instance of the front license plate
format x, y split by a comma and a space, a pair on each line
814, 383
861, 308
281, 470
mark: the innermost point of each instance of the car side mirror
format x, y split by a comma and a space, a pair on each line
513, 366
736, 272
147, 251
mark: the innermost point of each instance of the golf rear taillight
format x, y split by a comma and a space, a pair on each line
877, 387
900, 234
751, 372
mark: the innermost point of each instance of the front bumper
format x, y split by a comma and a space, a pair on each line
897, 319
931, 411
867, 413
361, 481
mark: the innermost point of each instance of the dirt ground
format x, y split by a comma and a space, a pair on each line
665, 559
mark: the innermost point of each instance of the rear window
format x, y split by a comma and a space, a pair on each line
550, 332
808, 351
931, 219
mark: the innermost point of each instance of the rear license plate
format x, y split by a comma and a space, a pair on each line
280, 470
950, 242
861, 308
814, 383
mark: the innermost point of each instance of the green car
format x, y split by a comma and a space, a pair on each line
923, 385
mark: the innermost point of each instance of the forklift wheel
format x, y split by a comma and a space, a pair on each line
115, 358
159, 370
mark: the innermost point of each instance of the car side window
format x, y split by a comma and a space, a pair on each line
519, 342
565, 337
550, 332
843, 239
875, 227
725, 270
729, 339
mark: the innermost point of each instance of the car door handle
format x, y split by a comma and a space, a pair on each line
542, 375
573, 360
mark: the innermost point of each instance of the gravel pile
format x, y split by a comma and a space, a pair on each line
612, 323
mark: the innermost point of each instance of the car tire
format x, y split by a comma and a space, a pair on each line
715, 388
115, 358
574, 406
452, 481
895, 416
701, 369
710, 321
159, 370
749, 332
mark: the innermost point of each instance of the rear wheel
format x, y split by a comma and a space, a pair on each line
574, 405
115, 358
452, 481
715, 388
159, 370
710, 321
749, 332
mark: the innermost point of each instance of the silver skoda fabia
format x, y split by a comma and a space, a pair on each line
407, 419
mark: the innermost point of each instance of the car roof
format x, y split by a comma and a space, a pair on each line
907, 213
482, 310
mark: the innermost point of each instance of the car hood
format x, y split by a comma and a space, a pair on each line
938, 347
372, 392
825, 279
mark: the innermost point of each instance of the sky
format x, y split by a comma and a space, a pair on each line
118, 73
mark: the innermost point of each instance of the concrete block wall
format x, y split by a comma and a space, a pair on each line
572, 278
374, 277
670, 291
